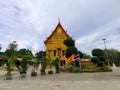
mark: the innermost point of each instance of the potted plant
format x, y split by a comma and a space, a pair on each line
9, 66
50, 63
25, 55
22, 66
43, 70
43, 65
56, 64
34, 73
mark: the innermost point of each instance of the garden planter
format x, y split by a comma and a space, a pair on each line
43, 73
50, 72
57, 71
22, 75
33, 73
8, 76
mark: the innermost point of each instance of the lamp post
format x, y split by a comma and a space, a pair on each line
14, 48
106, 50
104, 43
0, 48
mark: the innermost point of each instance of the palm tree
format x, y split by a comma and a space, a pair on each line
34, 62
9, 66
50, 63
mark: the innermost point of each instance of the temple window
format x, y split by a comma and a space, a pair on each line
54, 53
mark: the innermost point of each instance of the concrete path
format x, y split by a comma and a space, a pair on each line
65, 81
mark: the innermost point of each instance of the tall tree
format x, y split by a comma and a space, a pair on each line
69, 42
71, 49
40, 54
81, 54
114, 56
98, 52
25, 53
13, 46
86, 56
12, 49
98, 57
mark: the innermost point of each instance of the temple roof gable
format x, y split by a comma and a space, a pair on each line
58, 29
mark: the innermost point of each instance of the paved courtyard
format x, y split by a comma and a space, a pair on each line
65, 81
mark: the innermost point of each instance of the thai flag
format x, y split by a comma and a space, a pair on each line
77, 57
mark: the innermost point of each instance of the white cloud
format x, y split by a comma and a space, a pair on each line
109, 31
29, 21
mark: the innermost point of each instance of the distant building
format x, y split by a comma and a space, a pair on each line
54, 43
2, 55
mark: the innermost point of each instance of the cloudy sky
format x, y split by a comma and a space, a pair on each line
29, 22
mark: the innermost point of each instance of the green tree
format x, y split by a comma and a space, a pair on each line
43, 65
9, 67
98, 52
69, 42
56, 64
40, 54
114, 56
25, 52
99, 57
13, 46
80, 53
95, 59
86, 56
49, 62
117, 61
71, 49
25, 55
11, 52
12, 49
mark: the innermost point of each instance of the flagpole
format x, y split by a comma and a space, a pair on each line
80, 64
73, 65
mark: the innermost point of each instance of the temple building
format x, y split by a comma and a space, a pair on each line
54, 43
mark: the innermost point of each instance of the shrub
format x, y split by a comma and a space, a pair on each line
107, 68
76, 70
70, 68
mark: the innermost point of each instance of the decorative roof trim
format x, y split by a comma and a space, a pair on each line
59, 25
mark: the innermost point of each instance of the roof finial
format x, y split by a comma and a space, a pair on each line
58, 19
